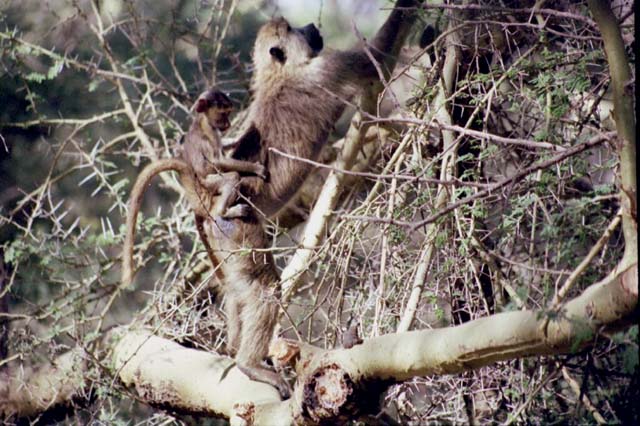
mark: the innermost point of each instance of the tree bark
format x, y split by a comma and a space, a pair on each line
624, 115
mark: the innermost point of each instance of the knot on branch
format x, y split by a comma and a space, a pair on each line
331, 395
326, 393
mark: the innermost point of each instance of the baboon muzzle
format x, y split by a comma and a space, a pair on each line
313, 37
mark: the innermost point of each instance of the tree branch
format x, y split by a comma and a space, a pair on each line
624, 117
330, 383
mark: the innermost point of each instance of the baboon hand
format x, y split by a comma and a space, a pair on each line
261, 171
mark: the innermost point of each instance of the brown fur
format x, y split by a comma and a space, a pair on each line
210, 180
251, 289
296, 103
298, 96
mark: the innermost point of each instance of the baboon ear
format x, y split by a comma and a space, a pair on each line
202, 105
427, 37
278, 54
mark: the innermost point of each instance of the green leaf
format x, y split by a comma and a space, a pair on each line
35, 77
56, 69
630, 359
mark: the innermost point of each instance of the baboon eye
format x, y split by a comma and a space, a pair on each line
278, 54
288, 28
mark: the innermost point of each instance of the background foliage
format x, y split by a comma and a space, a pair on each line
80, 115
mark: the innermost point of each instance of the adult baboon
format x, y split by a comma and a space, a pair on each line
298, 94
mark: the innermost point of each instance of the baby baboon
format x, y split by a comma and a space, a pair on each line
217, 176
210, 180
298, 96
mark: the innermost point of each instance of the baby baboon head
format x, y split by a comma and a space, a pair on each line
217, 107
278, 45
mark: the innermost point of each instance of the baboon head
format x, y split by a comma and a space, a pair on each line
217, 107
280, 46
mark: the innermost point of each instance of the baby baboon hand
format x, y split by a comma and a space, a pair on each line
239, 210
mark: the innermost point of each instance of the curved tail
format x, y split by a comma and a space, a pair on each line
135, 200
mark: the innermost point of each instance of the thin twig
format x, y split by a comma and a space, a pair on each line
595, 249
595, 141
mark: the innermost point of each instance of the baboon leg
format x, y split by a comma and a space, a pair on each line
232, 309
258, 318
258, 323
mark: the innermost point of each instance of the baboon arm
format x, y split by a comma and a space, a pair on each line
393, 33
383, 48
248, 147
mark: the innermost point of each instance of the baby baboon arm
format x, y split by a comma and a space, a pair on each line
135, 201
197, 151
233, 165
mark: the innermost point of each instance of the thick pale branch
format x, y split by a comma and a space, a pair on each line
499, 337
625, 118
165, 374
162, 373
28, 393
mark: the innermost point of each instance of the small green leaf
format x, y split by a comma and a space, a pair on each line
36, 77
56, 69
